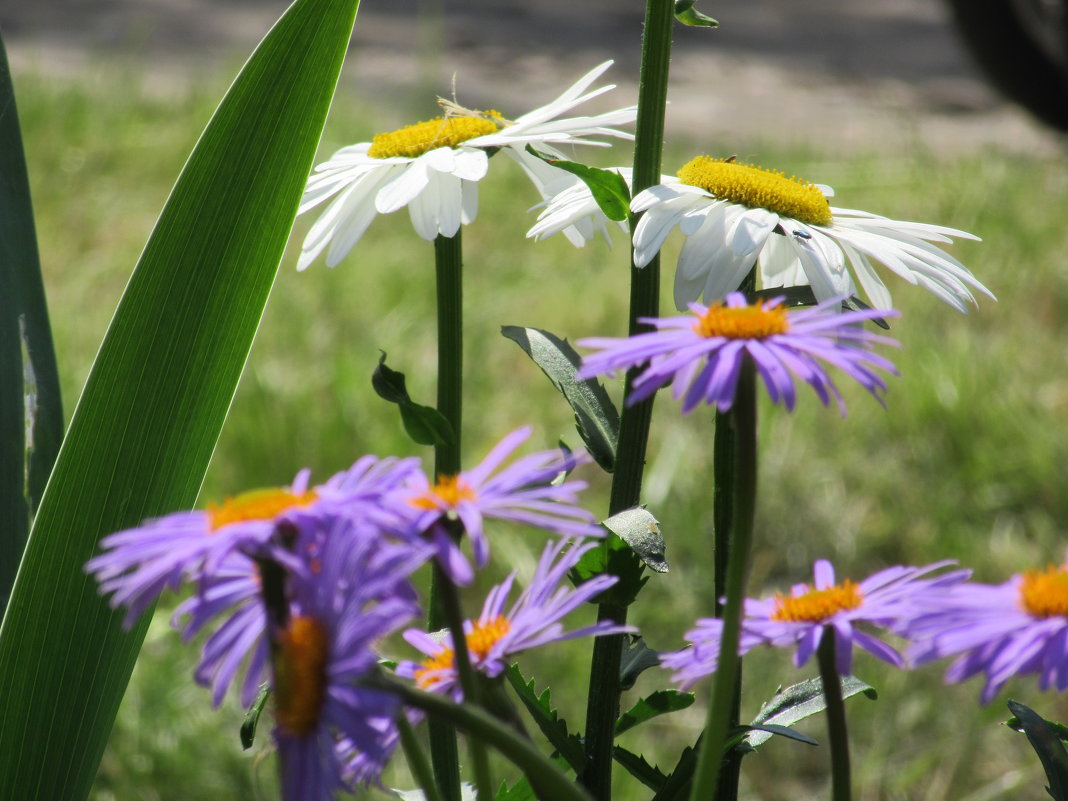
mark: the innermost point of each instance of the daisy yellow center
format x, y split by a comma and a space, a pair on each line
815, 606
422, 137
1044, 593
300, 676
758, 188
745, 322
481, 638
264, 504
449, 490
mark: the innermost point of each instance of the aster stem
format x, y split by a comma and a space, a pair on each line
448, 262
417, 761
603, 704
837, 733
742, 418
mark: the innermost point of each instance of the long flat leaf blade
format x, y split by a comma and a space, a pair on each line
152, 408
31, 417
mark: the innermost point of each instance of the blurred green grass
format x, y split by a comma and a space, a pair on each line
963, 464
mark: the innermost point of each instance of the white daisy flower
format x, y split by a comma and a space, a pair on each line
434, 167
735, 214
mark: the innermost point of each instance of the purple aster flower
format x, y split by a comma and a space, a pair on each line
532, 621
800, 617
702, 358
522, 492
1011, 629
139, 563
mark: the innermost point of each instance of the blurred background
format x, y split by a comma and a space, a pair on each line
880, 99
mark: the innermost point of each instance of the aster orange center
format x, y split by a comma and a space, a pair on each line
480, 640
1045, 593
758, 188
815, 606
448, 490
422, 137
300, 675
263, 504
745, 322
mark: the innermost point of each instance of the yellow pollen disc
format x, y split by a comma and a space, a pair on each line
441, 661
485, 635
300, 676
745, 322
264, 504
1045, 593
815, 605
449, 490
758, 188
422, 137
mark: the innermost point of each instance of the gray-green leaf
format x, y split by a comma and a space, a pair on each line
798, 702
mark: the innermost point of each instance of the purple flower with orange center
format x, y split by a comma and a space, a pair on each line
701, 354
496, 635
522, 492
801, 617
1013, 629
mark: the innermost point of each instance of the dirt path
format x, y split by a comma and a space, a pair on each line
886, 74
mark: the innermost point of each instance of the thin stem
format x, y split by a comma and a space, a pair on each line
742, 418
836, 718
417, 760
448, 263
603, 704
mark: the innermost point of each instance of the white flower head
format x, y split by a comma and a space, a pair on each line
734, 215
434, 167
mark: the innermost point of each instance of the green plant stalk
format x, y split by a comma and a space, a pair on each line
743, 418
417, 761
540, 771
837, 733
448, 268
603, 704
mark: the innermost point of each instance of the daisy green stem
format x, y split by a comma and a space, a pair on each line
836, 718
417, 761
742, 418
603, 704
448, 263
538, 768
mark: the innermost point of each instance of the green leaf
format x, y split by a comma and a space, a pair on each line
613, 556
608, 187
155, 400
520, 791
596, 416
551, 724
678, 784
31, 418
658, 703
1046, 741
771, 728
641, 531
798, 702
424, 424
688, 15
652, 777
252, 717
637, 658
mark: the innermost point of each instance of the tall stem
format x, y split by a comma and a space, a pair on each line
836, 719
603, 704
417, 761
448, 263
742, 418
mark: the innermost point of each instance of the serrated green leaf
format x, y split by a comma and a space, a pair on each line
677, 786
551, 724
252, 716
688, 15
1046, 741
637, 658
798, 702
658, 703
615, 557
596, 417
31, 417
649, 775
155, 400
424, 424
641, 531
608, 187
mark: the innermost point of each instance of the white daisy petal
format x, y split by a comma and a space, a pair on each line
403, 189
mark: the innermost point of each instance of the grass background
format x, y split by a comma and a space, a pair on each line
963, 464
